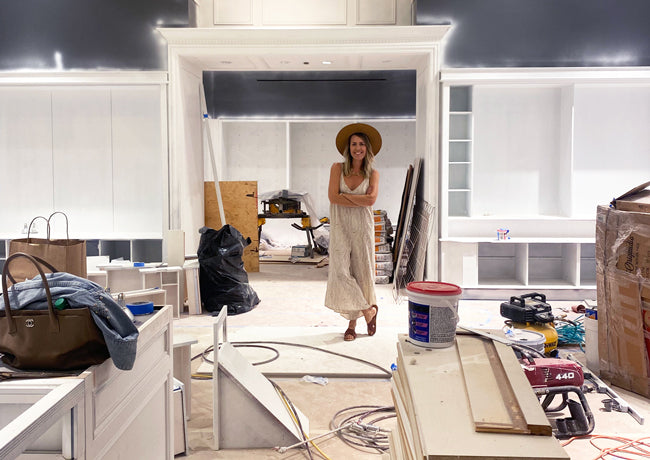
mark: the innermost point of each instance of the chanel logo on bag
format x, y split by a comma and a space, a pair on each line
29, 322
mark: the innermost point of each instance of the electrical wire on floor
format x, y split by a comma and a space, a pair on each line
353, 430
264, 344
296, 419
572, 332
629, 449
360, 432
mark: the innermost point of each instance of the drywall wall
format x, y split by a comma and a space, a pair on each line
298, 155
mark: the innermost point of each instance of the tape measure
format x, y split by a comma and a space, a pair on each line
140, 308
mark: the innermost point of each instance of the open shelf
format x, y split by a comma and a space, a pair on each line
458, 170
552, 264
135, 250
502, 264
588, 264
534, 264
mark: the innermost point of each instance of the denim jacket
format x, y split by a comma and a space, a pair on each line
119, 332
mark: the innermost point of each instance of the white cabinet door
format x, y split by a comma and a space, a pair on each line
26, 157
137, 159
81, 151
305, 12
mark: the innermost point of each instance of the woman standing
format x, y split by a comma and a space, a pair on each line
352, 191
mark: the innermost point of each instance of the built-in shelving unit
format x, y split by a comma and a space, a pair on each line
485, 267
460, 151
535, 151
135, 250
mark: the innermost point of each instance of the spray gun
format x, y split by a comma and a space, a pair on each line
614, 402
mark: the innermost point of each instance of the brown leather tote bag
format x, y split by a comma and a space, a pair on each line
47, 339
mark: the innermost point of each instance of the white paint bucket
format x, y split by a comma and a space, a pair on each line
433, 313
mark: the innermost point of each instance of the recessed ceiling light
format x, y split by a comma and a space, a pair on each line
327, 62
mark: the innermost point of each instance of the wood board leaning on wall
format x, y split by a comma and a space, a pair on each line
240, 209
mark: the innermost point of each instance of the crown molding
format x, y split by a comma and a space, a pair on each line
306, 36
90, 77
545, 75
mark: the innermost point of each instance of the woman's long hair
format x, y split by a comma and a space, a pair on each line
368, 160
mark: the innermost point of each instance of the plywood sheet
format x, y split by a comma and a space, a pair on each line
536, 419
442, 412
240, 210
492, 402
405, 432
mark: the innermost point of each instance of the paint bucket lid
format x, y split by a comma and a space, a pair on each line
433, 288
526, 337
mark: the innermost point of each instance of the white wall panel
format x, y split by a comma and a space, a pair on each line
516, 151
137, 159
612, 144
26, 157
83, 170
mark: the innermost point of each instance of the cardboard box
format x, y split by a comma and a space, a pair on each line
636, 200
623, 288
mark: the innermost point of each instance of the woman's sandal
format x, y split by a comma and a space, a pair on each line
349, 335
372, 324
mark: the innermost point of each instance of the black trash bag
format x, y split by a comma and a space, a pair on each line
222, 277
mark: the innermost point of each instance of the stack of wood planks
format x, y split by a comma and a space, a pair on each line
470, 400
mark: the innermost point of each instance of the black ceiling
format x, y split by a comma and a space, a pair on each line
89, 34
542, 33
120, 34
364, 94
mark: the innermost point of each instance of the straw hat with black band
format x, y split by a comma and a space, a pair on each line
343, 137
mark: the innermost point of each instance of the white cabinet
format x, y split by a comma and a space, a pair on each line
128, 414
81, 155
535, 151
103, 413
26, 141
304, 13
94, 151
